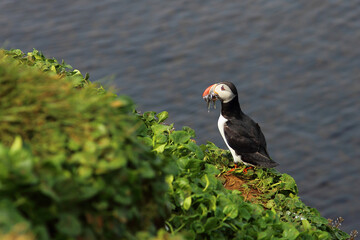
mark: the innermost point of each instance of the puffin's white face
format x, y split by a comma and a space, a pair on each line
223, 92
219, 91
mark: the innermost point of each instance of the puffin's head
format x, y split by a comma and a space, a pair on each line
224, 91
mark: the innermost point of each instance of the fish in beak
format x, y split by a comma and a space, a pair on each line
210, 96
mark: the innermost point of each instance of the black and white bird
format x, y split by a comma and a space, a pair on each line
241, 134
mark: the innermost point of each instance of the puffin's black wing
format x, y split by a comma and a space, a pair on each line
248, 141
242, 136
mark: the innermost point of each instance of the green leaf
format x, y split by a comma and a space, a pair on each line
160, 128
207, 182
169, 180
195, 149
187, 203
211, 169
53, 69
290, 232
149, 116
18, 52
162, 116
194, 165
289, 183
183, 183
159, 148
211, 224
265, 234
306, 224
230, 211
189, 130
212, 203
146, 140
161, 138
17, 144
270, 204
182, 162
244, 213
326, 235
179, 137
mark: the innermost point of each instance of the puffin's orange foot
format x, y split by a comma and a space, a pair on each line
247, 168
233, 169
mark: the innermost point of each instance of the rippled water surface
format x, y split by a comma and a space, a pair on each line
296, 66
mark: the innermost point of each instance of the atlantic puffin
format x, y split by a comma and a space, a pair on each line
241, 134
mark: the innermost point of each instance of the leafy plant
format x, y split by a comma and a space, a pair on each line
37, 60
71, 165
203, 209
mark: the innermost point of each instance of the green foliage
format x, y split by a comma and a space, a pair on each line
71, 165
203, 209
37, 60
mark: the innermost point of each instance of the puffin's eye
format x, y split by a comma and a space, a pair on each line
222, 88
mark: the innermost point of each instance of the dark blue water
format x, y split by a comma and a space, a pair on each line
296, 66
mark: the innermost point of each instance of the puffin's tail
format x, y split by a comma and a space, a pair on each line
258, 160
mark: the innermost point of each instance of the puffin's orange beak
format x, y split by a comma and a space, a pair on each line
208, 90
210, 96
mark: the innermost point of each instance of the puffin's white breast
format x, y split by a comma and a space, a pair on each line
221, 123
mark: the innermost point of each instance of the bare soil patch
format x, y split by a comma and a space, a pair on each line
233, 182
